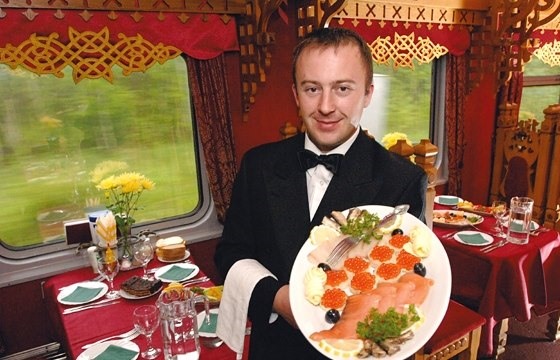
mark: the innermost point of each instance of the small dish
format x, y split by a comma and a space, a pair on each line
473, 238
96, 290
96, 350
176, 272
187, 254
455, 218
128, 296
534, 226
448, 200
207, 330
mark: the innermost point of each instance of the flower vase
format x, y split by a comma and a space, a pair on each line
125, 243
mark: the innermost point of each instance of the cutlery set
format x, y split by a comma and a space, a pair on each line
94, 305
127, 336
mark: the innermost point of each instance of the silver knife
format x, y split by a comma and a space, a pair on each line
93, 306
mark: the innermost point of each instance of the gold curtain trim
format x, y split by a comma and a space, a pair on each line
549, 53
91, 55
404, 49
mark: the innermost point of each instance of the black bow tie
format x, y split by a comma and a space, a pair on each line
308, 159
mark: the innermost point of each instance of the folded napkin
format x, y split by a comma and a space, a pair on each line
209, 327
240, 281
474, 239
114, 352
518, 227
176, 273
106, 229
448, 200
81, 294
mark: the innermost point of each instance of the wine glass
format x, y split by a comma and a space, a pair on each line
500, 213
143, 253
108, 266
146, 321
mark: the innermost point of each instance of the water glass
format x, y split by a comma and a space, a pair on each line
500, 213
108, 266
143, 253
146, 321
520, 211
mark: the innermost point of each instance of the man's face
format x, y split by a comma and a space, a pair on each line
330, 92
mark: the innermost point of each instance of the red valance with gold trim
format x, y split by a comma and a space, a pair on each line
456, 38
201, 36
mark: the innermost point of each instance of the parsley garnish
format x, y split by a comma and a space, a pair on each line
362, 226
378, 327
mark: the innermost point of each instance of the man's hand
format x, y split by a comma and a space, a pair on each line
282, 306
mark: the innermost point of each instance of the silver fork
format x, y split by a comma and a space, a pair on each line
493, 247
129, 335
349, 242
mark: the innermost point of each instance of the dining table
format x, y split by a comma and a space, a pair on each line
512, 281
77, 329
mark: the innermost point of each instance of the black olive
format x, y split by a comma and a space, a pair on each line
420, 269
324, 266
397, 232
332, 316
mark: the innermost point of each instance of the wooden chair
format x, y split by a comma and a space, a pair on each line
457, 335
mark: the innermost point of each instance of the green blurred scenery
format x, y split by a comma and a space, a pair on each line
535, 99
53, 132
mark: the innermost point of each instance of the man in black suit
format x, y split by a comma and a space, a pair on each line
276, 200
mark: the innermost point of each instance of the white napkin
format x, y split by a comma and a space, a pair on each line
240, 281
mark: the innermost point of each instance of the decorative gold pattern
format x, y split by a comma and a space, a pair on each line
549, 53
404, 49
91, 55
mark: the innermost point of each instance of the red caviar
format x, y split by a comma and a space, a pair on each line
381, 252
334, 299
356, 264
388, 270
363, 281
336, 277
407, 260
399, 240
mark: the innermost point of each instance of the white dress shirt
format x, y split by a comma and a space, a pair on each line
318, 178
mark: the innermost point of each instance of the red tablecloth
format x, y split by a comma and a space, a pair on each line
77, 329
507, 282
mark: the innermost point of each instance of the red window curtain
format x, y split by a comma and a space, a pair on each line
209, 88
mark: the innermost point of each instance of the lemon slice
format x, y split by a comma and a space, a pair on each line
344, 348
214, 293
322, 233
389, 228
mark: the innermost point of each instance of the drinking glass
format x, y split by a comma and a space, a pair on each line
108, 266
500, 213
143, 253
146, 321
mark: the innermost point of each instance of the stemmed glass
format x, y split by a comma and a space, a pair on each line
146, 321
500, 212
108, 265
143, 253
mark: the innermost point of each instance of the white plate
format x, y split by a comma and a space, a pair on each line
95, 350
187, 254
455, 224
200, 318
487, 238
311, 318
448, 200
534, 226
67, 290
128, 296
164, 269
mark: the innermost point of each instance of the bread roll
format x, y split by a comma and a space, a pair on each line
171, 249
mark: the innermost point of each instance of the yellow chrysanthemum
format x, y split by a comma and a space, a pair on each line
51, 122
105, 168
391, 139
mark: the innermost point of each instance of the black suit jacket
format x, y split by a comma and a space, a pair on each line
268, 220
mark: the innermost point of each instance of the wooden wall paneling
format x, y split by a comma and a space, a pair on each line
551, 216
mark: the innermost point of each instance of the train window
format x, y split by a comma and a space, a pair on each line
410, 101
541, 88
56, 135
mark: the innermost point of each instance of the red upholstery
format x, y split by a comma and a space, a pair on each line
457, 322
